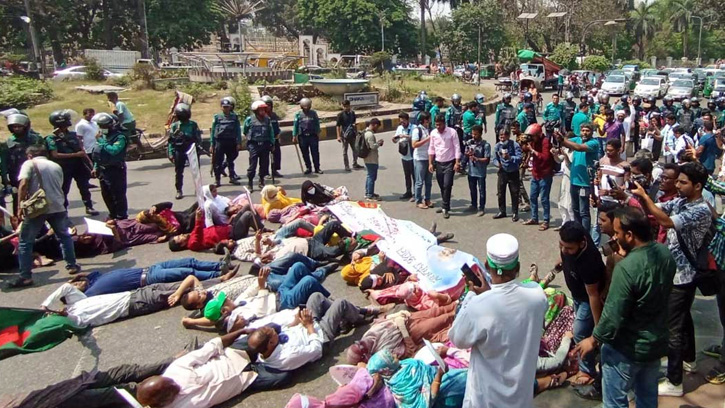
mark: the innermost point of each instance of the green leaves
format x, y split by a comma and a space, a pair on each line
462, 38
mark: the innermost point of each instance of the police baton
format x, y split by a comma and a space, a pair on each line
299, 158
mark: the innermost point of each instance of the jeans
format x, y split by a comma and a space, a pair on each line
512, 180
258, 153
290, 229
76, 169
30, 227
721, 311
596, 231
477, 187
298, 286
620, 375
444, 176
682, 331
422, 178
275, 280
310, 145
225, 149
280, 266
372, 169
543, 187
347, 143
523, 195
176, 270
317, 245
113, 190
583, 328
242, 221
333, 316
602, 145
408, 175
580, 206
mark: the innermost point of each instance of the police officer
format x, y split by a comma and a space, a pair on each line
568, 110
504, 113
13, 153
454, 117
480, 99
277, 152
226, 140
418, 108
720, 101
183, 133
668, 106
306, 130
65, 148
686, 117
553, 110
109, 161
602, 99
258, 131
695, 106
528, 98
527, 116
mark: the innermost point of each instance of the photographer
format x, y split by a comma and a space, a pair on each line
477, 155
613, 174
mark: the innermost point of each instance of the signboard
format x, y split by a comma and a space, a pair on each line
196, 174
359, 99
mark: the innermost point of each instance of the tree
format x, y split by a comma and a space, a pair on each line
681, 15
190, 25
238, 10
280, 18
596, 63
462, 38
565, 55
644, 23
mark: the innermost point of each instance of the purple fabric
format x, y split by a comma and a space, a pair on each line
614, 130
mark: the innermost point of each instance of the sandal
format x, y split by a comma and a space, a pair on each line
534, 272
582, 379
531, 222
19, 283
544, 226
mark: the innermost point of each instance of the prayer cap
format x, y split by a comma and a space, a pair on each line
213, 308
502, 252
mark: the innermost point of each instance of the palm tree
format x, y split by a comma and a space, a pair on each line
644, 23
681, 15
238, 10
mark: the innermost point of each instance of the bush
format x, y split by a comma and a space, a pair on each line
94, 71
144, 74
199, 91
379, 61
239, 90
565, 55
21, 93
642, 64
393, 89
124, 81
596, 63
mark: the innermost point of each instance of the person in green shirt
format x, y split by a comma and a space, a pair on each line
470, 119
553, 110
437, 107
527, 116
12, 152
579, 118
306, 130
559, 85
260, 142
633, 329
109, 165
183, 133
125, 117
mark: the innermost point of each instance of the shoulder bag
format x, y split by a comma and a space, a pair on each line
37, 204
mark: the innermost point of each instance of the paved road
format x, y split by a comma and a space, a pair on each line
154, 337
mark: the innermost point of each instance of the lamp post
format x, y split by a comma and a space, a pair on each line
381, 16
614, 38
478, 63
591, 23
699, 41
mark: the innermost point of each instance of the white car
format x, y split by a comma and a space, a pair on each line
79, 72
651, 86
615, 85
681, 89
718, 88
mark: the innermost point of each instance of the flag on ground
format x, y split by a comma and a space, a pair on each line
25, 331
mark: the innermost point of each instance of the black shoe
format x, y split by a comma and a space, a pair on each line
445, 214
515, 218
588, 392
250, 186
444, 237
406, 196
223, 173
347, 169
318, 171
235, 177
90, 211
439, 210
499, 216
277, 174
179, 195
357, 167
308, 171
234, 181
218, 183
261, 183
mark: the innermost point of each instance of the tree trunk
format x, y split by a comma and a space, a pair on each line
144, 37
685, 31
108, 23
422, 29
57, 52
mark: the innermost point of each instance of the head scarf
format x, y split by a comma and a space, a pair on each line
360, 351
314, 193
269, 193
218, 204
384, 363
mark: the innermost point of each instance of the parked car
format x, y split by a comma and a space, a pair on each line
616, 85
718, 88
651, 86
682, 89
79, 72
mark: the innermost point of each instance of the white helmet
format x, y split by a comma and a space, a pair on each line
456, 97
229, 101
104, 120
18, 119
258, 104
306, 103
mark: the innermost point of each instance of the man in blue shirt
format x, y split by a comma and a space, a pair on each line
586, 151
580, 117
709, 148
507, 157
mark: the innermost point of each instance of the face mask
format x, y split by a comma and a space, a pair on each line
311, 191
104, 131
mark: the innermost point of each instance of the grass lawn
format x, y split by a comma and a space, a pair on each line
445, 87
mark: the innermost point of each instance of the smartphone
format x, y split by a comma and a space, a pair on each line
302, 306
471, 275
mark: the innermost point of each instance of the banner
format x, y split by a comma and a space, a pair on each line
409, 245
196, 174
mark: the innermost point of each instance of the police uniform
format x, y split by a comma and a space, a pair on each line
109, 159
553, 112
260, 140
277, 153
454, 119
226, 135
182, 135
686, 118
568, 110
77, 168
13, 156
504, 116
306, 128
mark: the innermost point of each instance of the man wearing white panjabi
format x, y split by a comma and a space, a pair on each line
502, 325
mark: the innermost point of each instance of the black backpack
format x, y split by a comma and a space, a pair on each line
361, 145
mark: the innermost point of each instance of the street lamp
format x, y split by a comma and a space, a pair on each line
699, 42
606, 21
381, 16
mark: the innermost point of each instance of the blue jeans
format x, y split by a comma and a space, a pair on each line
580, 206
583, 328
276, 276
290, 229
176, 270
372, 169
30, 229
422, 178
477, 187
620, 375
596, 231
297, 287
543, 187
602, 146
280, 266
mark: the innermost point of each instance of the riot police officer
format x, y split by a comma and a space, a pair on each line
66, 149
258, 131
686, 116
109, 161
568, 110
306, 131
480, 99
183, 133
505, 113
454, 117
13, 152
695, 106
418, 108
226, 140
528, 98
668, 106
277, 152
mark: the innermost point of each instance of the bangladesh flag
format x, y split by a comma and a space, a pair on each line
25, 331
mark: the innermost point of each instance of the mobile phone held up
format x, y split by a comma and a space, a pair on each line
472, 276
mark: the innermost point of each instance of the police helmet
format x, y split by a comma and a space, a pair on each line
256, 105
686, 102
18, 119
456, 98
636, 98
507, 97
182, 111
667, 98
267, 100
423, 95
695, 101
419, 104
228, 101
569, 96
720, 100
306, 103
60, 118
624, 99
652, 100
104, 120
528, 97
480, 98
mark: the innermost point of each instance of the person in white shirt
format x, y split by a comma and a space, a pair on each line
502, 324
682, 143
420, 138
87, 130
405, 148
668, 138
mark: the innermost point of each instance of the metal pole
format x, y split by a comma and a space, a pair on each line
478, 63
699, 42
34, 38
144, 28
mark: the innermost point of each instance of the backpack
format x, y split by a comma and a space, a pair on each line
361, 145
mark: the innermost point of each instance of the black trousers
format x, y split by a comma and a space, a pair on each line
317, 245
721, 311
225, 149
310, 146
682, 331
513, 181
113, 190
258, 153
444, 176
242, 221
78, 170
408, 175
180, 160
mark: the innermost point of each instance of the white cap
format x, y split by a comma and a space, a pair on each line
502, 251
258, 104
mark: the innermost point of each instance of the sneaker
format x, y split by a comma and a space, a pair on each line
713, 351
480, 213
667, 389
179, 195
73, 269
235, 177
319, 171
308, 171
689, 367
439, 210
90, 211
716, 375
347, 169
446, 215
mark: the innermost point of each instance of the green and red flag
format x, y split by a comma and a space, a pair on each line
25, 331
